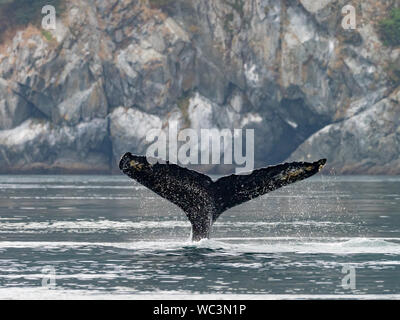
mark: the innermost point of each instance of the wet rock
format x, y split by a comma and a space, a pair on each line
38, 146
368, 142
283, 68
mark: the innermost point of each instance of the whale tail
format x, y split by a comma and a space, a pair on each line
204, 200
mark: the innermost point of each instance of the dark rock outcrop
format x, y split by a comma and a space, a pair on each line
113, 70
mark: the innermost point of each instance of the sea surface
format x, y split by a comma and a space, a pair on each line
106, 237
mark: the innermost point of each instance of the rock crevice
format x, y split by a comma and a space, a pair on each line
77, 98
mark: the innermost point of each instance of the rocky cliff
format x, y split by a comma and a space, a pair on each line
75, 98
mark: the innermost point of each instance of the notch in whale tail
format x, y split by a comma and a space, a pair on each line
204, 200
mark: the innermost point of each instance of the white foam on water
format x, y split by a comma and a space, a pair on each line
275, 245
47, 186
327, 245
78, 179
292, 223
70, 198
90, 224
6, 226
43, 293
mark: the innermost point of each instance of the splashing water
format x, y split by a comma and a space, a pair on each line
106, 237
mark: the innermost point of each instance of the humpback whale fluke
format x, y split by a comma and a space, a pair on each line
204, 200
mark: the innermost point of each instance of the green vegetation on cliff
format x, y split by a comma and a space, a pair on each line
159, 4
393, 71
237, 5
183, 105
17, 13
390, 28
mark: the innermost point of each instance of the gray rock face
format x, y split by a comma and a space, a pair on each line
113, 70
13, 109
38, 146
368, 142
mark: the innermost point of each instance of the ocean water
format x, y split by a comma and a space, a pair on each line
106, 237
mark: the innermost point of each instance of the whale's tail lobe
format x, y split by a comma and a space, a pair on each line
237, 189
204, 200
